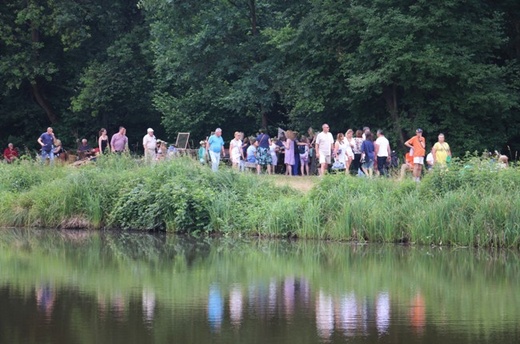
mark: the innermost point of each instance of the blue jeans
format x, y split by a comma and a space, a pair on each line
215, 160
47, 154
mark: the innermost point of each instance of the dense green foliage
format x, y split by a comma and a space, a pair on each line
474, 203
447, 66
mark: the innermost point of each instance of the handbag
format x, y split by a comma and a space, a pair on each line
338, 165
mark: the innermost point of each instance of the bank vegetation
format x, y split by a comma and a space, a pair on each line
473, 203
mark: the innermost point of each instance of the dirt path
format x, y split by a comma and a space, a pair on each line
303, 184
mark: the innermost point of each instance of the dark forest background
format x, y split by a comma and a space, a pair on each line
447, 66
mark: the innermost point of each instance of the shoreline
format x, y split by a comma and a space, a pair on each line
465, 207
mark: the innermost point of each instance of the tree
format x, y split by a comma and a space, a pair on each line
213, 65
80, 64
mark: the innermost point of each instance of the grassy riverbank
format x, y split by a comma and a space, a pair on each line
472, 204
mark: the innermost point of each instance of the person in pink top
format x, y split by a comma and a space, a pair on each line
119, 142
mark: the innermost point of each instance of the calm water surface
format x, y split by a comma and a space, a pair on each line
92, 287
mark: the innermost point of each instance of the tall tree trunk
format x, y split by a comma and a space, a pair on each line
517, 38
252, 16
36, 88
390, 96
43, 102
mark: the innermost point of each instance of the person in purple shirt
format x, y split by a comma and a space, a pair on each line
119, 142
263, 156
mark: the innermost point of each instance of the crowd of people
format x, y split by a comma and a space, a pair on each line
51, 147
357, 152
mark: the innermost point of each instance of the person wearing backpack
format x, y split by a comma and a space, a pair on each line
263, 156
303, 150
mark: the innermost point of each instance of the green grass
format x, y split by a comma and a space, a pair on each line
471, 204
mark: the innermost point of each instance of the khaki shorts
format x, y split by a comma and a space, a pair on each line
418, 160
324, 158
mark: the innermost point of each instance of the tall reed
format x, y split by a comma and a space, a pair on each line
473, 203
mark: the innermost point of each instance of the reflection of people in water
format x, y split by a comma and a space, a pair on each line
418, 313
235, 305
324, 315
102, 306
119, 307
215, 308
272, 297
349, 314
382, 312
288, 296
148, 305
45, 298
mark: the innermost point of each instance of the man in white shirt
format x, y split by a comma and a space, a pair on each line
149, 144
383, 153
324, 142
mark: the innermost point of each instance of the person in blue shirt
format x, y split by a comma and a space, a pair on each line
368, 154
215, 148
46, 140
202, 152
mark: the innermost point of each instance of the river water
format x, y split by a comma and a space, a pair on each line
109, 287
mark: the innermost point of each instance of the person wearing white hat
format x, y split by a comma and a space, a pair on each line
149, 145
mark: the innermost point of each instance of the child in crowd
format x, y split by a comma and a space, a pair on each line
202, 152
303, 149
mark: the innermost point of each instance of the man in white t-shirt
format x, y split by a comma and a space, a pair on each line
383, 153
324, 142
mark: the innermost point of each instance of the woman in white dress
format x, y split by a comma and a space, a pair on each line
235, 150
351, 145
340, 150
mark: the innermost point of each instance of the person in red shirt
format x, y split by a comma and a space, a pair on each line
10, 153
418, 143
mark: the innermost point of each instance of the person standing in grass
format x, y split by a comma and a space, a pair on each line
235, 150
418, 143
289, 151
324, 142
351, 149
103, 144
149, 145
119, 141
273, 150
383, 153
340, 151
303, 151
46, 140
441, 151
215, 148
368, 154
358, 141
263, 156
